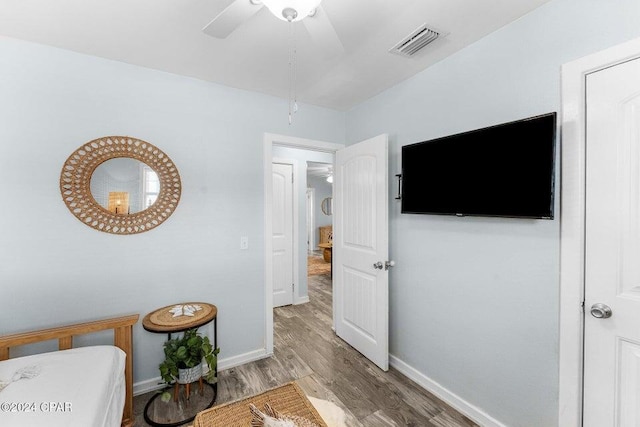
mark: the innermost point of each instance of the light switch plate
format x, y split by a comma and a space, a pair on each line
244, 242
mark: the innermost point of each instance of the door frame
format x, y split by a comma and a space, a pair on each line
271, 140
572, 224
311, 224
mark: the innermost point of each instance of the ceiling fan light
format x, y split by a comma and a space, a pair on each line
282, 8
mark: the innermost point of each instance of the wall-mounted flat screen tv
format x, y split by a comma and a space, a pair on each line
505, 170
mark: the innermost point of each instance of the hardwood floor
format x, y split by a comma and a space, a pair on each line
307, 351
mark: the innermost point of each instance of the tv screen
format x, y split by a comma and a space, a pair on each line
505, 170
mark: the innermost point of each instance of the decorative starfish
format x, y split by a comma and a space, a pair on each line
185, 310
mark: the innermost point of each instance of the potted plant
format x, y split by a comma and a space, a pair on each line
183, 358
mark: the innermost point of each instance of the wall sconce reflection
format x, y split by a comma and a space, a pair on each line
119, 202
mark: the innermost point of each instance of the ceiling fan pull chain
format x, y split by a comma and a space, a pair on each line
295, 72
291, 50
293, 93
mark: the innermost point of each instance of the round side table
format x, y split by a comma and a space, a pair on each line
172, 319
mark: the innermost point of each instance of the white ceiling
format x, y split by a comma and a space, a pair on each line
166, 35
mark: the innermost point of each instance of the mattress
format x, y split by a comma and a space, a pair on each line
78, 387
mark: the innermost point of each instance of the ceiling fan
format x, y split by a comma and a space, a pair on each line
317, 23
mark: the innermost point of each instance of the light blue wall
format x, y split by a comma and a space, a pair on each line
474, 301
323, 189
301, 157
56, 270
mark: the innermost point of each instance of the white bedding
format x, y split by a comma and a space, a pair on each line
79, 387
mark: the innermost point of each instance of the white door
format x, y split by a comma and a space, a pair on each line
282, 234
612, 275
311, 244
361, 248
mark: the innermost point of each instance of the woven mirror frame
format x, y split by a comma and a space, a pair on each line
75, 184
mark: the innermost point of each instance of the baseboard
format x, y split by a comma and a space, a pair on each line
452, 399
156, 383
142, 387
241, 359
301, 300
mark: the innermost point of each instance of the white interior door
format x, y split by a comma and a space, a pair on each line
612, 275
282, 236
360, 246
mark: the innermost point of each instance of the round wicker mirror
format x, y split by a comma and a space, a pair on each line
327, 206
160, 186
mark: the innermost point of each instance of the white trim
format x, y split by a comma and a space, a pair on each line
270, 140
301, 300
572, 222
452, 399
295, 169
241, 359
153, 384
302, 143
157, 383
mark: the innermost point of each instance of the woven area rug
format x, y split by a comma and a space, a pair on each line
288, 399
316, 265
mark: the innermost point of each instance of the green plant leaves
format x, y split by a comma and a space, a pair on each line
188, 351
181, 353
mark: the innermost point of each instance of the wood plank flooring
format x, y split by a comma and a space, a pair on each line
307, 351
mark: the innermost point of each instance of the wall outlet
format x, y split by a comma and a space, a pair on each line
244, 242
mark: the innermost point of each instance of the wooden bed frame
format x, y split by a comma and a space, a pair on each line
122, 338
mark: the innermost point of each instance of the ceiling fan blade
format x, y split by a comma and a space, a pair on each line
323, 34
231, 18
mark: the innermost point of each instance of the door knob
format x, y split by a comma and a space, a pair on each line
389, 264
601, 311
378, 265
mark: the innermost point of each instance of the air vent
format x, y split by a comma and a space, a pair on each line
415, 41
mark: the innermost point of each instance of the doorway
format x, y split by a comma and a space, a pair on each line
271, 142
360, 249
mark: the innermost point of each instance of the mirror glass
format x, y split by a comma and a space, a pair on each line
124, 186
327, 206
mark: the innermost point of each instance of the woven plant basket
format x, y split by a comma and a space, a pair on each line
189, 375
